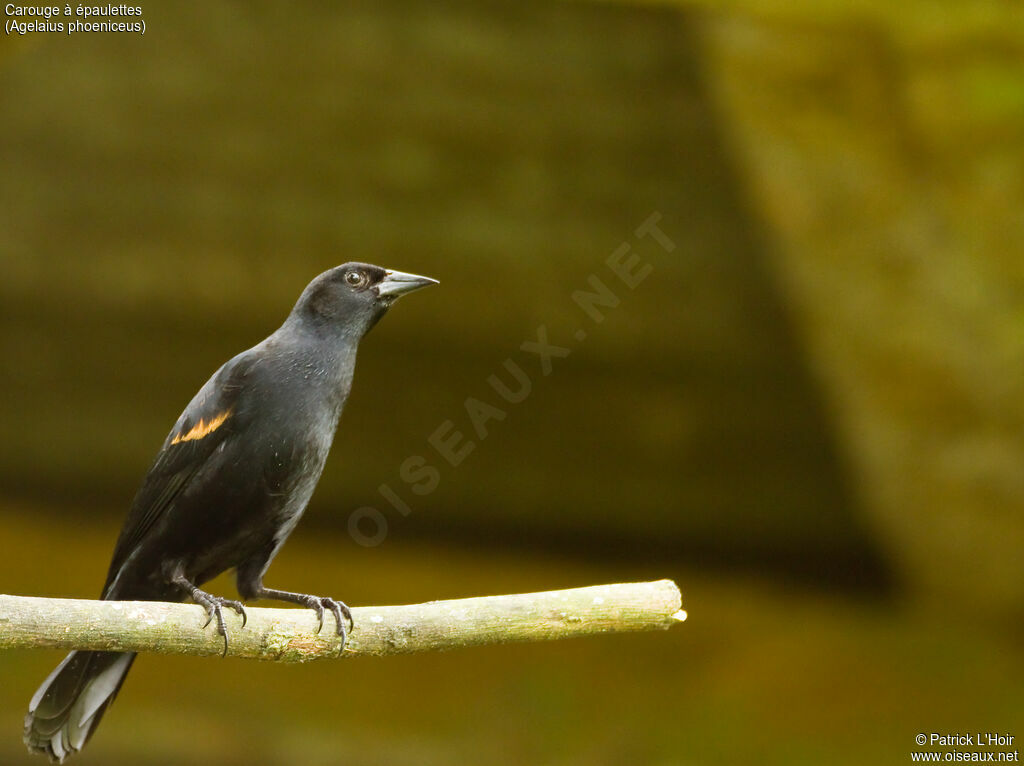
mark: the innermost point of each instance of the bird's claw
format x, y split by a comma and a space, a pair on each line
316, 603
340, 611
214, 606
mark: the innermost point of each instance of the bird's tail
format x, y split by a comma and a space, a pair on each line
64, 711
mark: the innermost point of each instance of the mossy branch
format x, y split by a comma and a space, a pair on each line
289, 635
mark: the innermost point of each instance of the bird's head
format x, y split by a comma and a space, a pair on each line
352, 298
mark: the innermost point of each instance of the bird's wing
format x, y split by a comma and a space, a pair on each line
209, 419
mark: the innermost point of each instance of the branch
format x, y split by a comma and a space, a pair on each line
289, 635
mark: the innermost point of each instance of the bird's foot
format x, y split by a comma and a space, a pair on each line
214, 606
319, 604
339, 609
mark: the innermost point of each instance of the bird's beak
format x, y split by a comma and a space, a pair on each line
397, 283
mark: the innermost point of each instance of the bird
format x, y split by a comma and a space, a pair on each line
228, 486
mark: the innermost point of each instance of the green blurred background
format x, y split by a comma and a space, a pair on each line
810, 414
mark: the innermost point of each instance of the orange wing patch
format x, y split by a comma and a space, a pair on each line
202, 428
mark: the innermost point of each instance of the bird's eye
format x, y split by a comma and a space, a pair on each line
355, 279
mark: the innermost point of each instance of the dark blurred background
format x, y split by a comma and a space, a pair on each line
810, 413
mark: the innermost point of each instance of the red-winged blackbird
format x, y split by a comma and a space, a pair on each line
228, 486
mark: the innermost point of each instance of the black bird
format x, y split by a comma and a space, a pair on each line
228, 486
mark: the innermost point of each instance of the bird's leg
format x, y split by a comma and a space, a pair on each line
214, 605
317, 603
